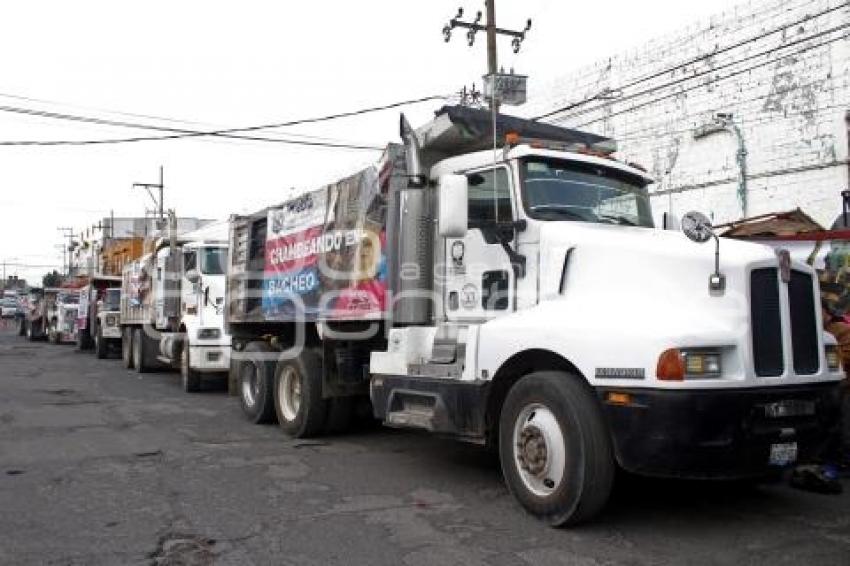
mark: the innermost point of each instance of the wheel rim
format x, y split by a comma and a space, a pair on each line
539, 450
250, 384
289, 393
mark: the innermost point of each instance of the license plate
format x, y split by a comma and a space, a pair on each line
783, 454
789, 408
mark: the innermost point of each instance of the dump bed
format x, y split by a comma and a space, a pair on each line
319, 256
137, 291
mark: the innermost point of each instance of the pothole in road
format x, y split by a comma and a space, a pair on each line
180, 549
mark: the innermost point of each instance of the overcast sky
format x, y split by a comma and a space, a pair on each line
202, 64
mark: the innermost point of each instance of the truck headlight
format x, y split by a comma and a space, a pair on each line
695, 363
702, 363
833, 360
209, 333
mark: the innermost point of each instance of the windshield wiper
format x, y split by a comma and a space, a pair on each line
564, 210
619, 219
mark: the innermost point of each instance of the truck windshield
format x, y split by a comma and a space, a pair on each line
213, 260
68, 298
112, 300
567, 190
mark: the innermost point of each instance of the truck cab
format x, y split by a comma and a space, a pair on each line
202, 307
107, 328
172, 306
62, 316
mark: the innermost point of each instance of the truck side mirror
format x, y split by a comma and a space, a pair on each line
453, 214
193, 276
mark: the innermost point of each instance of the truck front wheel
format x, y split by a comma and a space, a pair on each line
101, 348
298, 401
256, 382
32, 331
554, 448
53, 333
191, 378
127, 347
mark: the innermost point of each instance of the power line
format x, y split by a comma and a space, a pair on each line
692, 61
153, 117
185, 133
633, 135
713, 81
715, 69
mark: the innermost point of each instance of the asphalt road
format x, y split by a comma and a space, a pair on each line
99, 465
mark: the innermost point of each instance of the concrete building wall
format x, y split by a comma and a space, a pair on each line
781, 68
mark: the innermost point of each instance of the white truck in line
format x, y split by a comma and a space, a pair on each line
93, 329
172, 303
521, 298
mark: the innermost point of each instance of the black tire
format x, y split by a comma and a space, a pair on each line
83, 341
302, 416
127, 347
101, 346
32, 334
190, 378
140, 351
22, 327
256, 382
340, 414
589, 468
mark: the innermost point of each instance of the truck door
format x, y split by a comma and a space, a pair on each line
189, 298
479, 280
160, 289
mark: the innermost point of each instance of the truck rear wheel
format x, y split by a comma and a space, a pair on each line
256, 382
298, 401
32, 332
101, 347
127, 347
554, 448
140, 351
190, 378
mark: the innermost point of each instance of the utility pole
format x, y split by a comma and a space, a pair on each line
493, 77
159, 207
492, 61
68, 234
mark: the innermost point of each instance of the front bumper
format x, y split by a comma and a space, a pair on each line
110, 331
719, 434
209, 358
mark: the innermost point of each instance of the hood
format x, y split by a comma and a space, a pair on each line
619, 271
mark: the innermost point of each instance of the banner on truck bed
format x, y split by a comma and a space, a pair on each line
325, 252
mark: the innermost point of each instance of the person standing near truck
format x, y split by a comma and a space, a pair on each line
835, 300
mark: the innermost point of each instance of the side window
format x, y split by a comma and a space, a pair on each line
489, 197
190, 261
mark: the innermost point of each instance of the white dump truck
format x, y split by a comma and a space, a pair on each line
520, 297
88, 319
172, 304
61, 315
